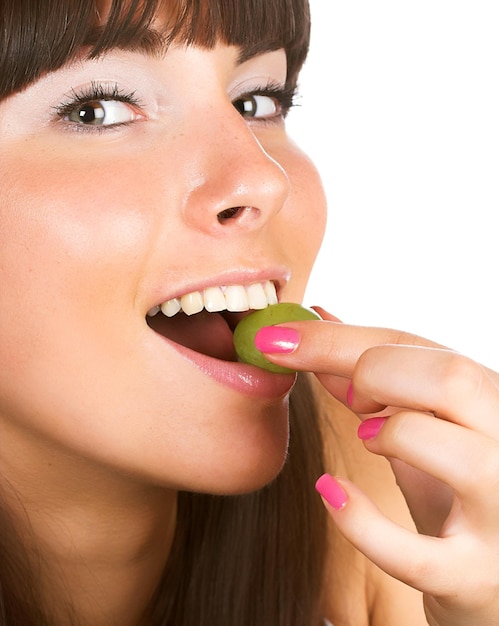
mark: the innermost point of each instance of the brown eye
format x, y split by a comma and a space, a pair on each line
257, 106
102, 113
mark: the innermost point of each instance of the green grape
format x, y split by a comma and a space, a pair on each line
244, 334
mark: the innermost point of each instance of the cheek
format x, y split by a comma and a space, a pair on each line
64, 224
303, 220
74, 245
69, 250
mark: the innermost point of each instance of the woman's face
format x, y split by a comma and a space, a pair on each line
128, 182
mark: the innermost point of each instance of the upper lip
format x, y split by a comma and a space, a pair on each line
279, 275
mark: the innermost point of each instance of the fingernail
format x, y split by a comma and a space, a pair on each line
370, 428
277, 340
350, 394
331, 491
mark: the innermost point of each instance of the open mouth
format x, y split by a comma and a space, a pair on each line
205, 320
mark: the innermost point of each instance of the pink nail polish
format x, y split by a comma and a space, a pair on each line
277, 340
370, 427
331, 491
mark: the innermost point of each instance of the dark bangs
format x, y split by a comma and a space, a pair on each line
39, 36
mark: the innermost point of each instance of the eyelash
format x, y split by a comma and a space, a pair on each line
93, 93
284, 97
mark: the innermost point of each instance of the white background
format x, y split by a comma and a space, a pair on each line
399, 109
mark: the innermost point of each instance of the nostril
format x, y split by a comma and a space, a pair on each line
231, 213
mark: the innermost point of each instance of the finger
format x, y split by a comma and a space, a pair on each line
435, 566
466, 460
334, 349
416, 560
331, 350
330, 347
427, 379
407, 339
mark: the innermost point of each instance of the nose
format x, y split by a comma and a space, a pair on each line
234, 183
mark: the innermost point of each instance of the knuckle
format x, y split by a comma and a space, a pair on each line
461, 380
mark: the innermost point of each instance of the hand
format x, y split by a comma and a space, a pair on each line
440, 430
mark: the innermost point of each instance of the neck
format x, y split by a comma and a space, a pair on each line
99, 539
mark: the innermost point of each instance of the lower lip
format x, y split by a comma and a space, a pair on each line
246, 379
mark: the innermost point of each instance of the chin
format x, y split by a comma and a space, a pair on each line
247, 461
247, 482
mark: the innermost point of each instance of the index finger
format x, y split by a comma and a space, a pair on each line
330, 347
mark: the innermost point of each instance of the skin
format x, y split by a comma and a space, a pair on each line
443, 441
94, 228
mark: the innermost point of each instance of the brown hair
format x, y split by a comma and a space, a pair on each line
38, 37
249, 560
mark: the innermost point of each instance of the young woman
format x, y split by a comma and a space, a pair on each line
150, 198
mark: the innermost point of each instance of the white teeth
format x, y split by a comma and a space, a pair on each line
170, 307
214, 299
192, 303
270, 292
233, 298
257, 298
236, 298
